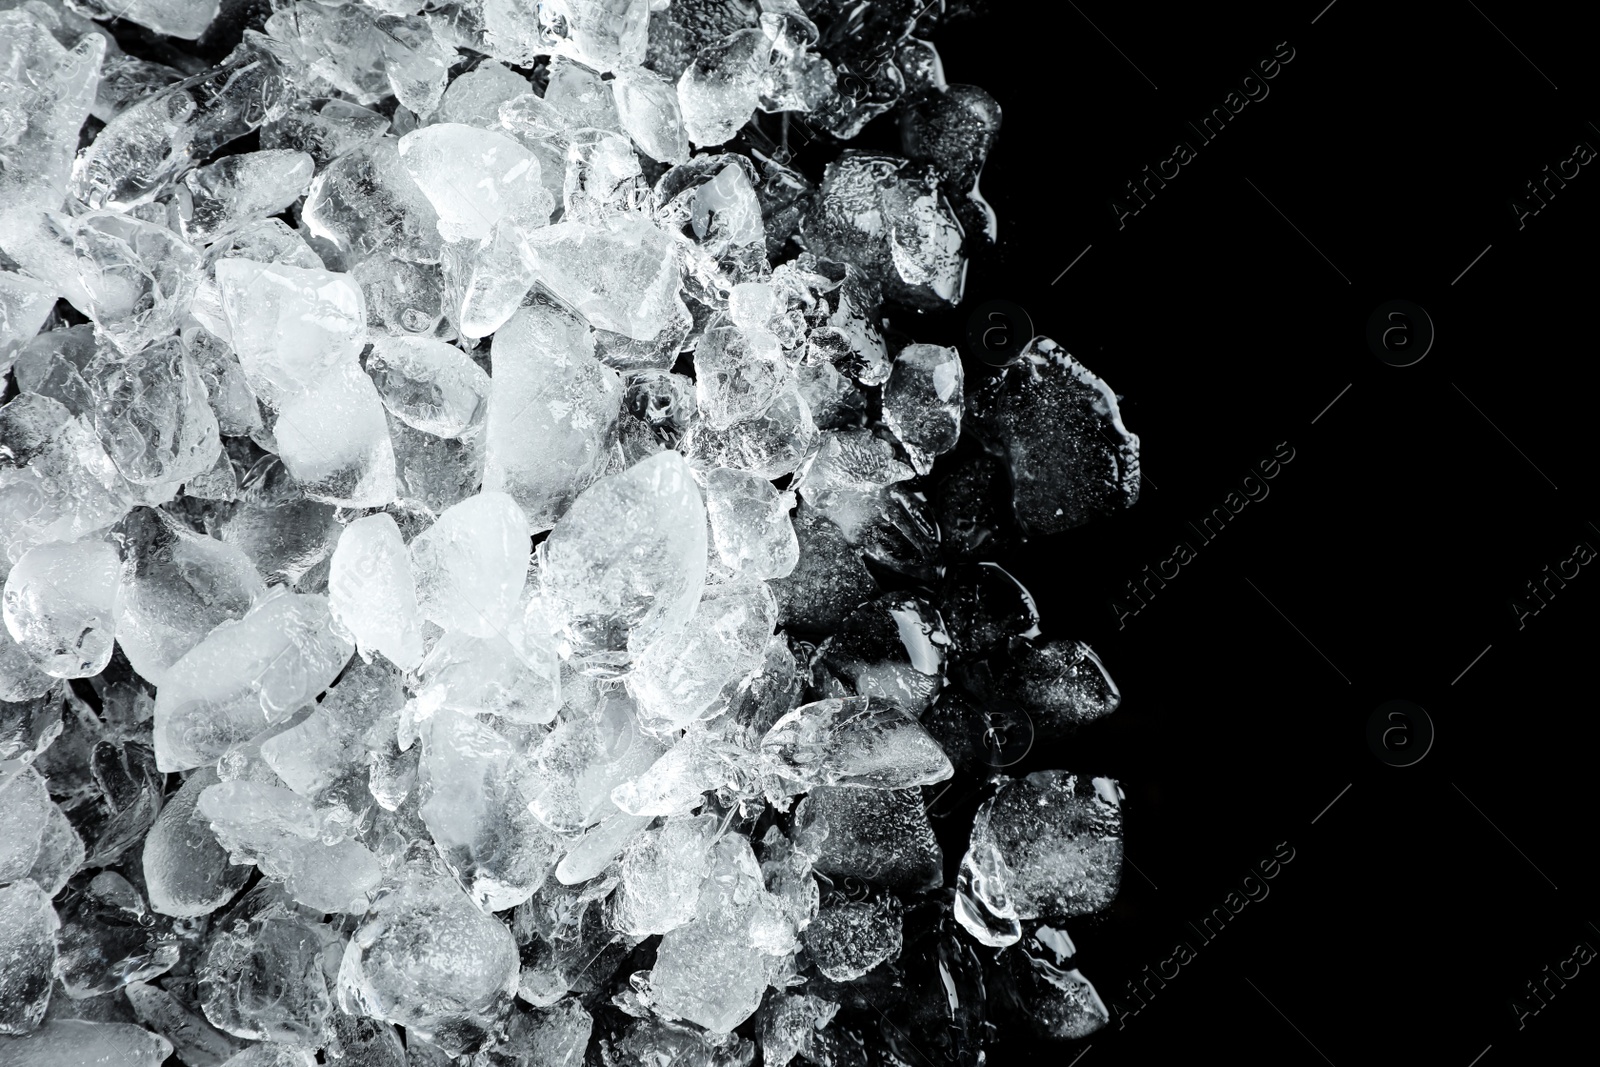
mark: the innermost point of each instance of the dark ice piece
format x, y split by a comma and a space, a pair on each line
877, 835
1060, 434
829, 581
984, 607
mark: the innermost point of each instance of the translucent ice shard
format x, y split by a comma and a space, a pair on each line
371, 592
474, 178
60, 601
262, 975
552, 413
722, 87
661, 872
245, 675
48, 91
1048, 845
186, 19
109, 938
56, 482
470, 566
476, 786
28, 926
335, 440
430, 385
186, 870
1039, 978
78, 1041
738, 374
1059, 432
865, 742
242, 188
428, 959
625, 566
324, 129
152, 416
364, 202
750, 524
690, 676
291, 325
877, 835
474, 98
139, 277
886, 216
648, 107
145, 147
621, 276
24, 305
922, 402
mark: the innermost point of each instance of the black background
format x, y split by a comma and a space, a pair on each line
1387, 555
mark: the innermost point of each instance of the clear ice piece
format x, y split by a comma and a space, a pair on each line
187, 872
661, 872
291, 326
430, 385
750, 524
922, 402
48, 90
552, 413
866, 742
371, 593
690, 676
24, 305
56, 482
244, 676
772, 444
325, 129
60, 603
428, 959
27, 805
622, 276
262, 976
185, 19
878, 835
28, 927
75, 1042
242, 188
722, 87
474, 98
364, 202
176, 586
335, 440
738, 374
625, 565
647, 105
152, 415
139, 277
471, 566
474, 178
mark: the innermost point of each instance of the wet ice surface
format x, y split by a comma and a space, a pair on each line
488, 578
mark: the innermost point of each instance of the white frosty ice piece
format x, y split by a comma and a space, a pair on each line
474, 178
291, 326
621, 275
624, 567
648, 106
854, 741
750, 524
335, 441
28, 926
690, 675
80, 1043
48, 90
722, 87
428, 384
471, 565
371, 593
60, 603
139, 277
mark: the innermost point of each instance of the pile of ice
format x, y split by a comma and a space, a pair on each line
480, 582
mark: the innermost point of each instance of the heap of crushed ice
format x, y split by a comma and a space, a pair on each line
480, 584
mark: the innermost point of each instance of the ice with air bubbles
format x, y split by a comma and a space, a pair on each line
497, 558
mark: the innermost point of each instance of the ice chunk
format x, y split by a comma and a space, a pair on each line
109, 938
125, 80
738, 374
849, 938
1060, 434
194, 1040
139, 277
60, 855
152, 416
146, 146
470, 566
56, 483
557, 1036
878, 835
621, 275
262, 241
647, 105
334, 439
242, 188
291, 326
271, 1054
403, 299
661, 872
828, 581
625, 566
689, 676
60, 601
750, 524
893, 647
1038, 978
476, 786
552, 413
80, 1043
603, 178
28, 926
492, 675
245, 675
922, 402
186, 870
326, 757
262, 975
427, 959
722, 87
789, 1023
371, 593
865, 742
1046, 845
474, 178
1063, 684
772, 444
41, 243
603, 34
709, 971
24, 305
887, 217
428, 384
954, 127
676, 783
474, 98
325, 129
364, 202
367, 54
585, 758
186, 19
176, 586
48, 91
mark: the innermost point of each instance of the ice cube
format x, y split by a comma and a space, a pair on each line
60, 602
108, 938
364, 202
139, 277
866, 742
772, 444
28, 926
1059, 432
371, 592
194, 1040
474, 98
60, 855
428, 959
1038, 978
625, 565
788, 1024
471, 565
244, 676
827, 582
552, 413
324, 129
242, 188
24, 305
186, 870
262, 975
